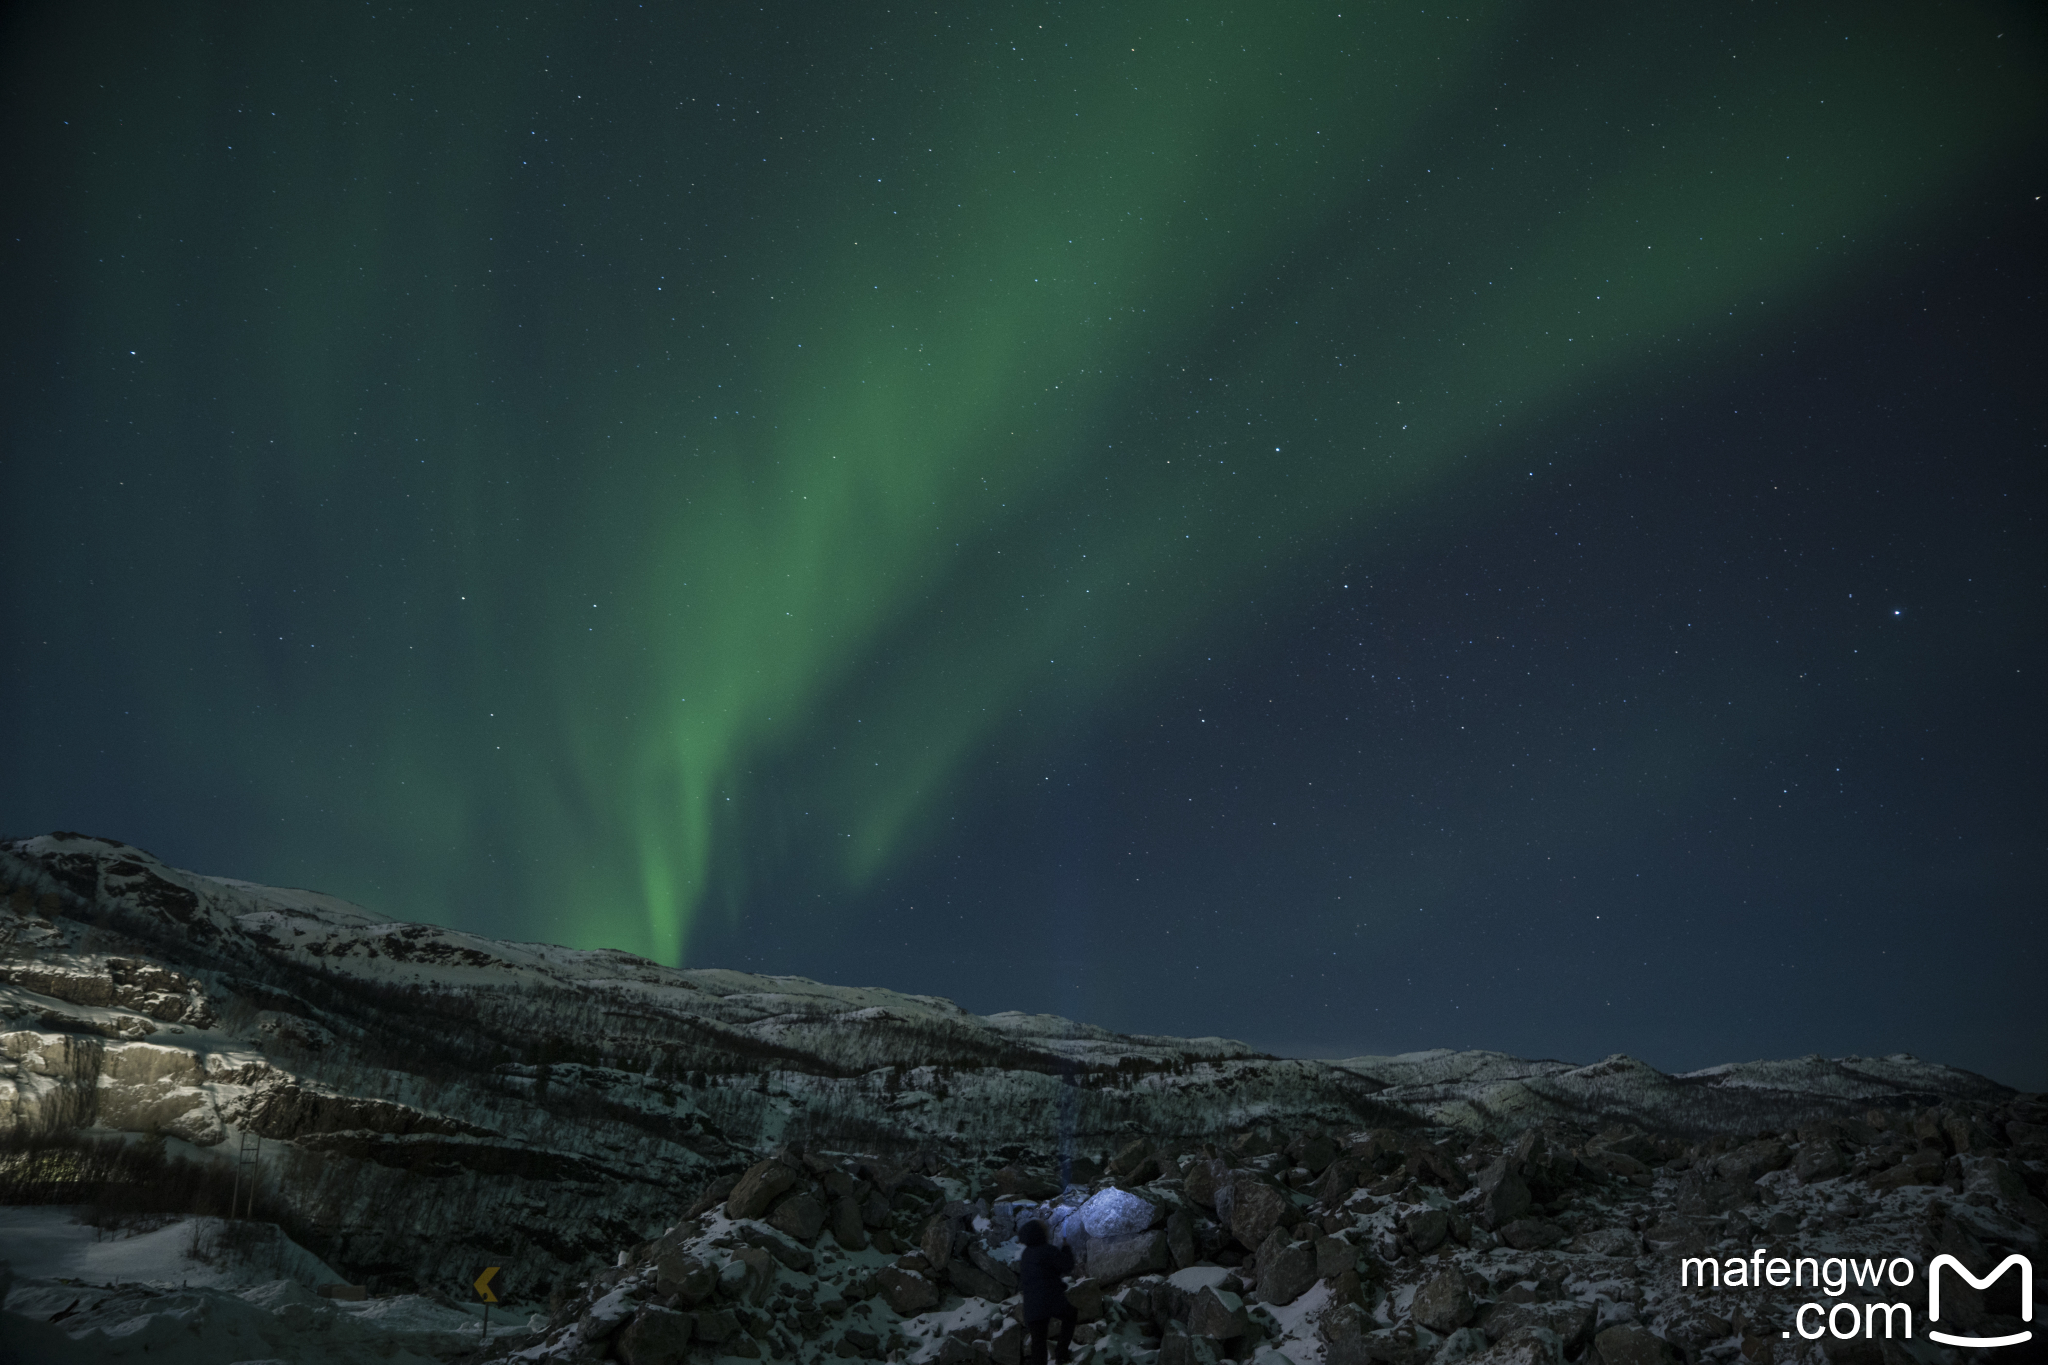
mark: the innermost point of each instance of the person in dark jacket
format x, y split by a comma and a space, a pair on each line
1041, 1275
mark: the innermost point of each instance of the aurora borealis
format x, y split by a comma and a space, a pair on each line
1345, 526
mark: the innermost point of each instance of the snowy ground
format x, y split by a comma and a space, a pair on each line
76, 1293
51, 1244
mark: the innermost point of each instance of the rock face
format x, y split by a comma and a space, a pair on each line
147, 989
545, 1109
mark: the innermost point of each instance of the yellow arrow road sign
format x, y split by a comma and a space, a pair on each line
483, 1285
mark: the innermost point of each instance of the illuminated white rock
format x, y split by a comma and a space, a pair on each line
1119, 1213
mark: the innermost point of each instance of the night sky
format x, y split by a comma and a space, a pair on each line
1356, 528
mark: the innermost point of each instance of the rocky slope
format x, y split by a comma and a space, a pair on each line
1401, 1247
429, 1101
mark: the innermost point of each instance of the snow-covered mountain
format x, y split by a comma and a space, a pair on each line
426, 1097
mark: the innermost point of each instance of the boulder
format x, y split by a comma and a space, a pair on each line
1531, 1234
800, 1215
1565, 1319
1111, 1259
685, 1278
1609, 1242
657, 1336
1120, 1213
1630, 1344
1427, 1228
1086, 1296
1018, 1182
716, 1326
1527, 1346
1547, 1169
1314, 1152
762, 1185
1443, 1303
1461, 1345
1286, 1270
849, 1228
1339, 1180
1343, 1329
1503, 1196
1002, 1274
1176, 1348
936, 1241
1679, 1235
904, 1291
1433, 1165
1081, 1170
1818, 1161
975, 1283
732, 1280
1753, 1159
1696, 1327
1919, 1167
793, 1255
1619, 1163
1256, 1208
1180, 1239
1627, 1140
1334, 1256
1066, 1229
1133, 1159
1838, 1130
1217, 1315
1204, 1177
756, 1274
713, 1195
874, 1210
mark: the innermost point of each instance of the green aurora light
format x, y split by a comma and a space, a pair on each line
777, 475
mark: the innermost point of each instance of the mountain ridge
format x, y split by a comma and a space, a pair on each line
574, 1095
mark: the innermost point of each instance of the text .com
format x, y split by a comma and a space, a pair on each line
1870, 1277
